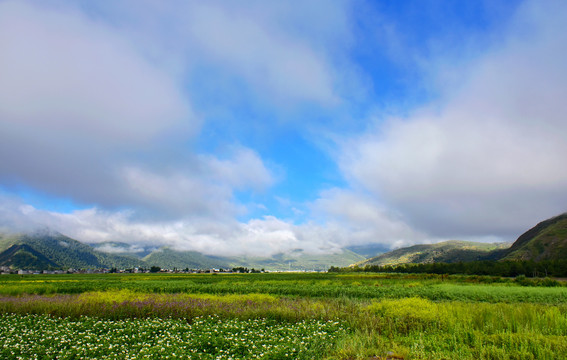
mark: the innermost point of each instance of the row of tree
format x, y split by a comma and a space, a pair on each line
554, 268
241, 269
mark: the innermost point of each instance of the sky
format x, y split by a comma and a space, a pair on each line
262, 127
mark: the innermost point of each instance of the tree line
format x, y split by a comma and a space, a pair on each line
527, 268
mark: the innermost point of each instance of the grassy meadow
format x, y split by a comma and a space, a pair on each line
281, 316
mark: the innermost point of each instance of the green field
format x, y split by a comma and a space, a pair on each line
281, 316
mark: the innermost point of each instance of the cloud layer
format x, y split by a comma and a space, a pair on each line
96, 105
140, 112
489, 159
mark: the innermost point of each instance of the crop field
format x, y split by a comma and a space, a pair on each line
281, 316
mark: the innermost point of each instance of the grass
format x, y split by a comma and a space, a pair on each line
355, 286
405, 316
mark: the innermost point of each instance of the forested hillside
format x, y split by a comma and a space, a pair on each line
60, 251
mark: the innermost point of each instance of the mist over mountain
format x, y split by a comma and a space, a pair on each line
280, 130
46, 249
60, 251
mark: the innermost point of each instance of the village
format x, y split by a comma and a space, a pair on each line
6, 270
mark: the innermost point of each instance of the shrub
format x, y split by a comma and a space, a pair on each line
407, 314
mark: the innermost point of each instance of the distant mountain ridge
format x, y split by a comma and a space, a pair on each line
369, 250
168, 258
51, 250
46, 249
298, 260
545, 241
446, 251
58, 251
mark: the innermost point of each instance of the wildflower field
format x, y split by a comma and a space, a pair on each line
281, 316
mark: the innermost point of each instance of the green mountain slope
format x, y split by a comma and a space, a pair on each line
170, 259
66, 252
545, 241
25, 257
447, 251
47, 249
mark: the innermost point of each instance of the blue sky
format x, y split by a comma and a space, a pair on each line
257, 127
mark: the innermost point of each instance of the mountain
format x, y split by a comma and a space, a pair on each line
47, 249
446, 251
545, 241
25, 257
368, 250
60, 252
169, 259
51, 250
298, 260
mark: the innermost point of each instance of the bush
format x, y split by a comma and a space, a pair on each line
408, 314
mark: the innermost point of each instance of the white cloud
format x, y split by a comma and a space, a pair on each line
268, 58
76, 100
97, 99
14, 215
86, 113
491, 161
257, 237
112, 249
355, 218
282, 53
175, 193
95, 105
244, 169
65, 75
202, 188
